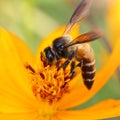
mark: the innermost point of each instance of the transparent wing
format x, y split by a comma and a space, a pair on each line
79, 14
87, 37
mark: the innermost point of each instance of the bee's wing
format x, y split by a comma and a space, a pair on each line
87, 37
79, 14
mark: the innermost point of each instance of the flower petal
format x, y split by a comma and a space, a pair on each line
51, 37
15, 89
22, 49
113, 18
21, 116
80, 94
102, 110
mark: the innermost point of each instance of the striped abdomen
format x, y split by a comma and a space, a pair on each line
88, 72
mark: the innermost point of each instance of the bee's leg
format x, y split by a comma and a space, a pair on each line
65, 64
80, 63
73, 66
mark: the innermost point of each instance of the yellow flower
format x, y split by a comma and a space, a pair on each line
30, 91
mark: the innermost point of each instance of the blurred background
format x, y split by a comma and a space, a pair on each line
32, 20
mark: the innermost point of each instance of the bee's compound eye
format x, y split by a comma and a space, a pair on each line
49, 54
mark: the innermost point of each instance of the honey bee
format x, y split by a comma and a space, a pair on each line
76, 49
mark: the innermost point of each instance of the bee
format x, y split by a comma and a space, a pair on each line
76, 49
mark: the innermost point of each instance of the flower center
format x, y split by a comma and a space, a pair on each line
49, 83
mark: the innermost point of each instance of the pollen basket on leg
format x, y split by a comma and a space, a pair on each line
48, 83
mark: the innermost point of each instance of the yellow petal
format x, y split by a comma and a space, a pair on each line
113, 18
21, 116
22, 49
102, 110
80, 94
49, 39
56, 117
15, 90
